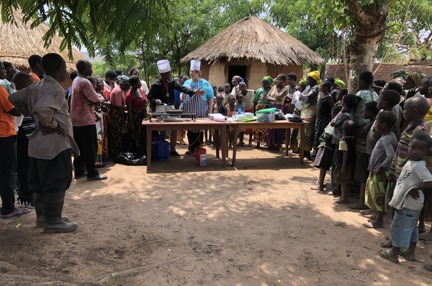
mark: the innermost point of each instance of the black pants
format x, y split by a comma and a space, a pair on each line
195, 139
50, 176
23, 162
7, 173
86, 139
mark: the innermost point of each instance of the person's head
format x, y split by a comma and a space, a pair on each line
371, 110
93, 81
73, 75
415, 108
2, 71
425, 83
35, 63
183, 78
219, 99
123, 82
55, 66
118, 72
378, 85
413, 80
165, 77
291, 79
393, 85
231, 99
236, 80
227, 88
134, 72
194, 74
11, 70
330, 79
350, 101
99, 84
341, 93
281, 80
302, 85
348, 128
365, 80
22, 80
335, 111
220, 89
110, 76
388, 99
338, 84
385, 121
239, 97
267, 82
313, 78
215, 89
84, 68
419, 146
325, 86
242, 86
134, 82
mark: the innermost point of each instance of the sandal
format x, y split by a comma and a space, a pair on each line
17, 212
403, 252
385, 253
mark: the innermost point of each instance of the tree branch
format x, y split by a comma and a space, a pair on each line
359, 14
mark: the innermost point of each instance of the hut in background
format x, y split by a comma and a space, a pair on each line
18, 42
252, 48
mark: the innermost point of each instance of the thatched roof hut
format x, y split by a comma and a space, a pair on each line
252, 48
18, 42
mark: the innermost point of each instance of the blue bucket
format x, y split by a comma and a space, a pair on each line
161, 150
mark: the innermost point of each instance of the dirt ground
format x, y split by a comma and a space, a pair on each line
178, 224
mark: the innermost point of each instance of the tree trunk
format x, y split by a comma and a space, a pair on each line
369, 31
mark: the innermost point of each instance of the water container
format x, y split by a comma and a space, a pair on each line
161, 150
201, 157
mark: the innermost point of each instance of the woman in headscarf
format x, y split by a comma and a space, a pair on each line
261, 102
310, 98
117, 127
235, 82
136, 102
412, 84
200, 105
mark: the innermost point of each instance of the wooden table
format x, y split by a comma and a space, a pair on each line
280, 124
198, 124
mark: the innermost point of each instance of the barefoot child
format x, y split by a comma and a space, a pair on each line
345, 156
377, 185
408, 200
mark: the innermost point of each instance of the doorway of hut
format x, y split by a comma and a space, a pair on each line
236, 70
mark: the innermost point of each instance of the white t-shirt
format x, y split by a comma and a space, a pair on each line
296, 100
412, 174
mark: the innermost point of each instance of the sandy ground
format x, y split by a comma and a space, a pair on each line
258, 224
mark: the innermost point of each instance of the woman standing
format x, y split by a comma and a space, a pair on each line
276, 96
310, 98
136, 106
236, 80
200, 105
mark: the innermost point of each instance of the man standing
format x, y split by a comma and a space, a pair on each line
36, 70
83, 99
50, 146
162, 92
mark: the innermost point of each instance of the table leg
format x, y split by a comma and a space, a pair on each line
287, 139
302, 140
224, 146
216, 142
236, 131
149, 145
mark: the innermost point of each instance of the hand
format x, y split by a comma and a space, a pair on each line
411, 93
414, 193
199, 92
378, 170
158, 101
48, 130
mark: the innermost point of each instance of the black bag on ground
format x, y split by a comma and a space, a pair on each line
127, 158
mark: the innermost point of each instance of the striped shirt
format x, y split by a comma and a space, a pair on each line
28, 126
401, 156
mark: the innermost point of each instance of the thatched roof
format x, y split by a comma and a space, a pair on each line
255, 39
18, 42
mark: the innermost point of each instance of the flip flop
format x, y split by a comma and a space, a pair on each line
370, 225
17, 212
385, 253
403, 253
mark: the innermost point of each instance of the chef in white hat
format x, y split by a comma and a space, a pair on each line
201, 105
162, 93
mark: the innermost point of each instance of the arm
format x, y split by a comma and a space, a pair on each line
270, 95
20, 100
89, 92
6, 104
183, 89
14, 112
389, 151
422, 186
330, 101
44, 110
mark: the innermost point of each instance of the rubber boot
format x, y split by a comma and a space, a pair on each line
40, 209
53, 214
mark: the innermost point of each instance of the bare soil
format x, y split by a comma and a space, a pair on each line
178, 224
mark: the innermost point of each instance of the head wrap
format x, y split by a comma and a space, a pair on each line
238, 78
417, 77
400, 73
303, 82
268, 79
340, 83
316, 76
123, 79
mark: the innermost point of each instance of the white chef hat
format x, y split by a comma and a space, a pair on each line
163, 66
195, 65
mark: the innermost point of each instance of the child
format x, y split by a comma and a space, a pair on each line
377, 185
362, 158
340, 94
345, 156
408, 200
218, 106
349, 103
324, 157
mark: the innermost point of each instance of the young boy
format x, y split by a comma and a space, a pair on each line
218, 106
345, 156
408, 200
377, 185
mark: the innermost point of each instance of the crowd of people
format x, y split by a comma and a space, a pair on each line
376, 139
